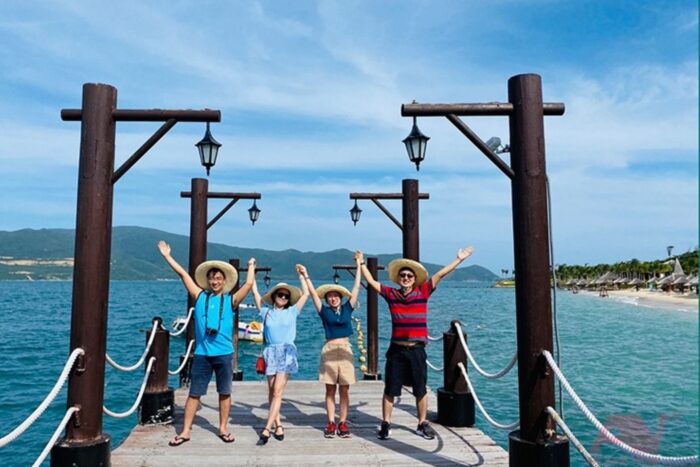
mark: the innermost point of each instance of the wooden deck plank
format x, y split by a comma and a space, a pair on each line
303, 416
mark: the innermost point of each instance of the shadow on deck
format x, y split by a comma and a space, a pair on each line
304, 416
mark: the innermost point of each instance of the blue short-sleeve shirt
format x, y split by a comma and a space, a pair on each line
280, 325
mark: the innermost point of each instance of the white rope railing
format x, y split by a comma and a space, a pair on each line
637, 453
472, 360
54, 437
138, 398
481, 407
577, 444
433, 366
184, 360
14, 434
434, 339
184, 326
143, 356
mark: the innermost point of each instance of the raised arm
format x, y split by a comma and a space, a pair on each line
365, 272
462, 254
304, 288
241, 293
192, 288
312, 290
256, 295
358, 277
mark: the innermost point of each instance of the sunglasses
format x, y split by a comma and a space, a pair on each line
406, 275
283, 295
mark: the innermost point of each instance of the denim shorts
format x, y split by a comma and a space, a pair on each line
202, 368
406, 366
280, 358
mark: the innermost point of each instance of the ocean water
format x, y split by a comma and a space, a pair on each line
635, 367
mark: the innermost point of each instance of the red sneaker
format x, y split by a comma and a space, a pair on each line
329, 431
343, 430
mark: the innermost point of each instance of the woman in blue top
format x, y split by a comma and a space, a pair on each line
337, 366
279, 331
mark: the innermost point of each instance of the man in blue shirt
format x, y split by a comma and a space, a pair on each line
213, 334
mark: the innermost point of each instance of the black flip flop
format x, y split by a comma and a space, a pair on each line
177, 441
227, 437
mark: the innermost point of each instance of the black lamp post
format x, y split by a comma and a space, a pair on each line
355, 214
253, 213
669, 250
416, 143
267, 280
208, 150
336, 277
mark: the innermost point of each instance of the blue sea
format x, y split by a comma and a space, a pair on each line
634, 366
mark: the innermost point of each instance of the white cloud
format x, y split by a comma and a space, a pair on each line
310, 96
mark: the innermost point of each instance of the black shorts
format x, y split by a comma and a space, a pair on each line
406, 366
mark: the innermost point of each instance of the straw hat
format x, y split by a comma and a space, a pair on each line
324, 289
294, 292
403, 263
230, 274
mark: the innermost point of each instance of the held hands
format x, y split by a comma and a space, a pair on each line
251, 262
164, 248
465, 253
359, 257
301, 270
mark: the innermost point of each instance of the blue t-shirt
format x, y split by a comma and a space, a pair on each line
219, 317
337, 324
280, 325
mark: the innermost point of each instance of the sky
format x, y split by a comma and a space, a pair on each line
310, 95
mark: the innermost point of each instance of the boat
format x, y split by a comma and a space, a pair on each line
252, 331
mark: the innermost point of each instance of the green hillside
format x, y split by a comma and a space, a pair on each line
47, 254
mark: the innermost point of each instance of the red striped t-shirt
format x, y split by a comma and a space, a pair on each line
409, 314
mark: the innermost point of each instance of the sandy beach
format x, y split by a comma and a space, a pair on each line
687, 302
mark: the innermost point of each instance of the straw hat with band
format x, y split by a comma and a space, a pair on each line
339, 289
230, 274
294, 292
403, 263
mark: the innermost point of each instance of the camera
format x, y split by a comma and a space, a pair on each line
211, 332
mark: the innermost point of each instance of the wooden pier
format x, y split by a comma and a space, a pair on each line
303, 417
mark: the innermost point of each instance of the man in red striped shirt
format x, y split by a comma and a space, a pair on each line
406, 358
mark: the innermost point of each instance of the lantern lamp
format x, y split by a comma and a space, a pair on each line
253, 213
208, 150
355, 213
416, 143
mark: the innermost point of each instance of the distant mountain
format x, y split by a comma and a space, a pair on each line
48, 254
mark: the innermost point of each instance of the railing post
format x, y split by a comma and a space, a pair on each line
373, 373
455, 401
158, 399
237, 373
536, 442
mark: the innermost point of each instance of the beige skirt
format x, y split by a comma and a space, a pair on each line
337, 364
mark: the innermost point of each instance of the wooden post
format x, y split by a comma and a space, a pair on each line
93, 241
409, 221
532, 444
372, 326
158, 399
237, 374
198, 254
